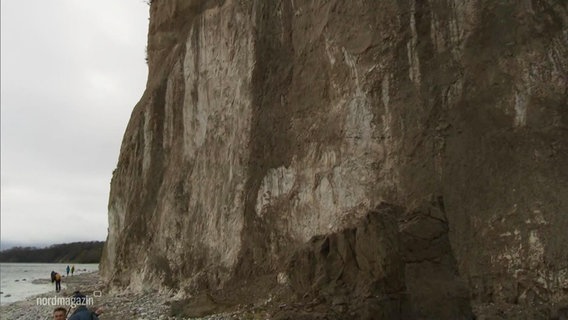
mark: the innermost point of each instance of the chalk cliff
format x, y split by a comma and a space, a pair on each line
414, 152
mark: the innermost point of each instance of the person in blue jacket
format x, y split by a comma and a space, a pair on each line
82, 312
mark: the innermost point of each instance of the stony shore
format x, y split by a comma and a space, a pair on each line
156, 306
117, 306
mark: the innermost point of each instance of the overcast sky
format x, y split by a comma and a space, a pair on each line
71, 73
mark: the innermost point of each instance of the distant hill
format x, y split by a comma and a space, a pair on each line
77, 252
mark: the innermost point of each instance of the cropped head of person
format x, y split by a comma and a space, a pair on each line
59, 313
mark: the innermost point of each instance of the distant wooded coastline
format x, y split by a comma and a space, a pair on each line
77, 252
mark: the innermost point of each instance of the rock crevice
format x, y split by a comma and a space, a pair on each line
265, 124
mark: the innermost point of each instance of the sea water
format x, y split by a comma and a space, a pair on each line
21, 280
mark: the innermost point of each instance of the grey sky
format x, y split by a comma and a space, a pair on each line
71, 73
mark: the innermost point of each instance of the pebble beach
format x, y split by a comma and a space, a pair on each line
123, 305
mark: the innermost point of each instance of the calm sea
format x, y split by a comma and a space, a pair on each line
21, 280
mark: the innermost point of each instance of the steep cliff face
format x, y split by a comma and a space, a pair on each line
267, 123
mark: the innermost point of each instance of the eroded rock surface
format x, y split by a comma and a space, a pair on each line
358, 272
265, 124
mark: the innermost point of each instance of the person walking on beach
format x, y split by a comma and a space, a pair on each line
72, 269
57, 282
59, 313
56, 277
67, 269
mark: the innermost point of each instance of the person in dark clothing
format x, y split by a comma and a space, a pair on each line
82, 312
56, 277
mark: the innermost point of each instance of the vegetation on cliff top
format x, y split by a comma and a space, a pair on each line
77, 252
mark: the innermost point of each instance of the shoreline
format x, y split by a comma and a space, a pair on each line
117, 305
22, 280
152, 305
